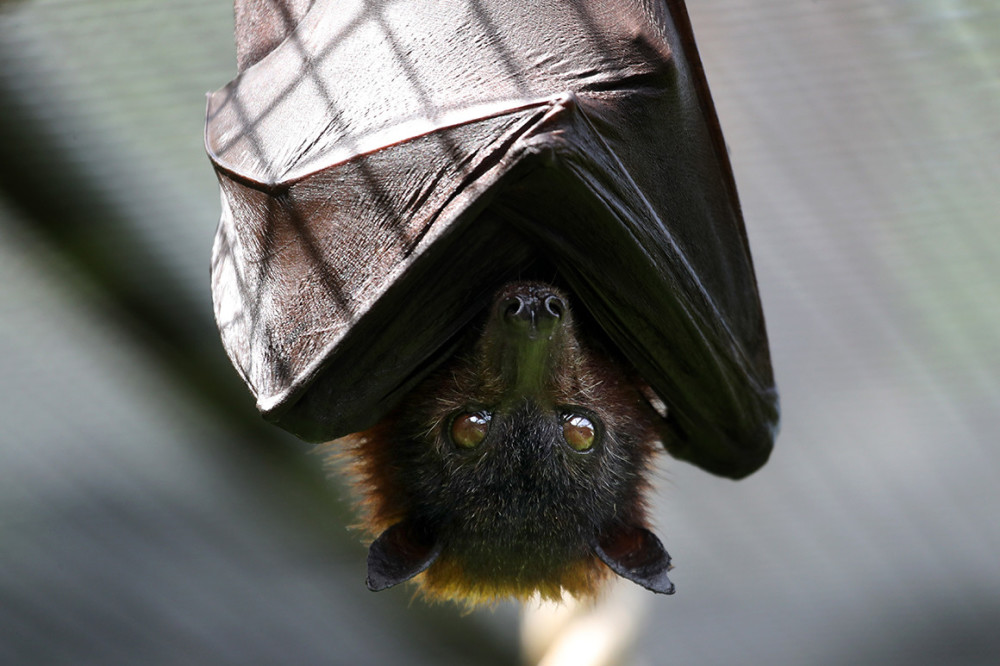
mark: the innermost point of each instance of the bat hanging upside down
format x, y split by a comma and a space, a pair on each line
516, 468
387, 167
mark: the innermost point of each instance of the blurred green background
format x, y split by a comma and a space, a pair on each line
148, 515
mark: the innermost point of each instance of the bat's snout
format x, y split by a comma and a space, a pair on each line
529, 326
532, 310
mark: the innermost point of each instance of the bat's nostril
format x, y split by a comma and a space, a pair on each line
533, 308
555, 306
514, 308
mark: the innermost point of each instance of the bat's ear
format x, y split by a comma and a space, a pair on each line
399, 554
635, 553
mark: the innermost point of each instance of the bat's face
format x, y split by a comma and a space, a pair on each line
517, 468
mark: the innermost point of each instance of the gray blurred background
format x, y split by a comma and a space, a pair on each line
147, 514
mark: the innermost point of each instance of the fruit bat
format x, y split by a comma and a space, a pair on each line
492, 249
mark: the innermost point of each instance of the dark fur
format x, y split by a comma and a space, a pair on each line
522, 512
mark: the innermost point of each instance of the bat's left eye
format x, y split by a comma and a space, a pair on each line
578, 431
468, 429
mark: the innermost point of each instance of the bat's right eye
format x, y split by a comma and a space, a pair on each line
578, 431
469, 429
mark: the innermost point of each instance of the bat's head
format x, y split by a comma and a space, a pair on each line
517, 468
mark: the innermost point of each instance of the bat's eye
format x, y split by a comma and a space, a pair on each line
468, 429
579, 431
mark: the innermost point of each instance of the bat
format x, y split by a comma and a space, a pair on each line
517, 468
493, 250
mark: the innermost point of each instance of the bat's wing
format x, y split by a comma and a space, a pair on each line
386, 164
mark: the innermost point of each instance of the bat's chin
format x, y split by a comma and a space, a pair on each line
456, 579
